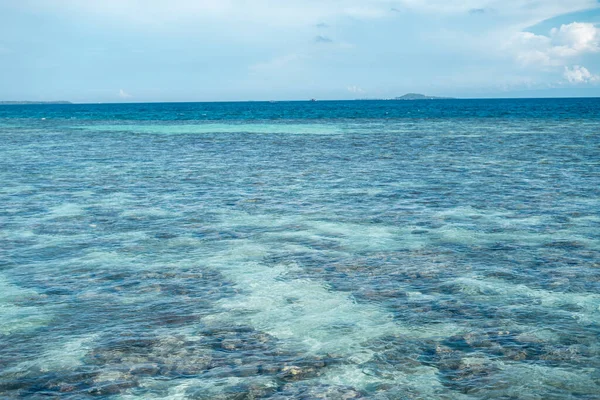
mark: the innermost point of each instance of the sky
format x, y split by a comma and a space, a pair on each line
236, 50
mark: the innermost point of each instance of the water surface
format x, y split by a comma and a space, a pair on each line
381, 250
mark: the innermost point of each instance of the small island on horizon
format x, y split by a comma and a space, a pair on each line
33, 102
417, 96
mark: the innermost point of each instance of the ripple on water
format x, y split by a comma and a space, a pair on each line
405, 258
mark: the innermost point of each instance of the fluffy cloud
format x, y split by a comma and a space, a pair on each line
564, 43
579, 74
576, 38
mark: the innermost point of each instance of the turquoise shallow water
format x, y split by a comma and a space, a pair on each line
339, 250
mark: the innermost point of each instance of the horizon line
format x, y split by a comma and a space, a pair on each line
68, 102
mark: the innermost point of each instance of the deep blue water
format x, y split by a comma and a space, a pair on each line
363, 249
547, 109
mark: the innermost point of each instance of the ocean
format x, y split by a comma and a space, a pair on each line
445, 249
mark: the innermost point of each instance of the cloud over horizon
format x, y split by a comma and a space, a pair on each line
579, 74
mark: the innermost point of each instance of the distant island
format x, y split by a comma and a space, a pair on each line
417, 96
35, 102
414, 96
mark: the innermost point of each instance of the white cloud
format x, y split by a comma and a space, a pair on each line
355, 89
124, 95
579, 74
530, 49
564, 43
575, 38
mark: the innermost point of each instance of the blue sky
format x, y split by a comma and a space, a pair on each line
204, 50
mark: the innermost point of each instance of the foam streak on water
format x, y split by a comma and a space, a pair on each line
414, 250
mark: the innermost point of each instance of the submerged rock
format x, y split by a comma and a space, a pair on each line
111, 388
305, 392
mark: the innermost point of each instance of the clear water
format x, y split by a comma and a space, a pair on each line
339, 250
